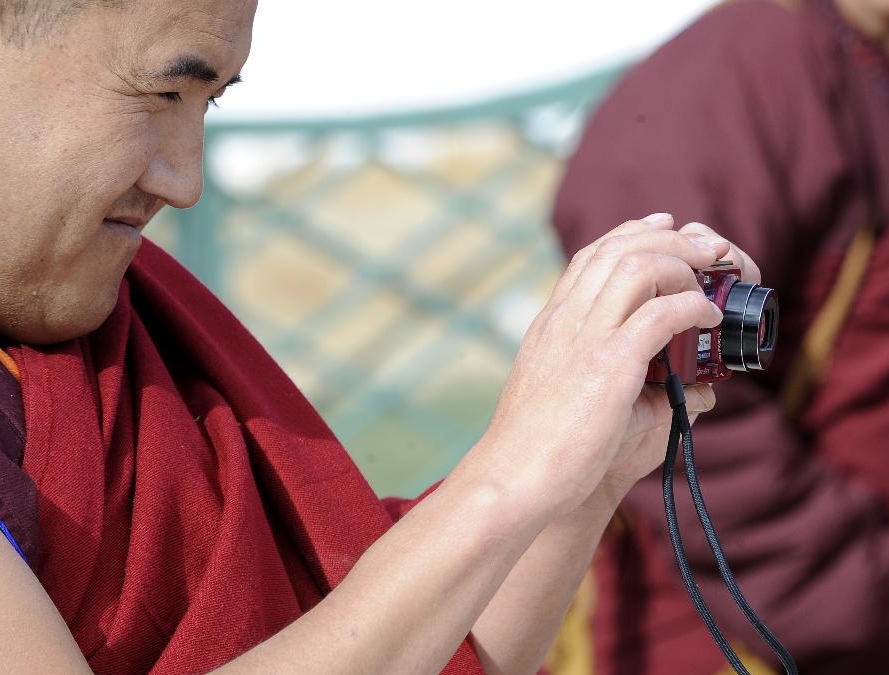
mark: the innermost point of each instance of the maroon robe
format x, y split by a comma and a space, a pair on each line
191, 502
18, 496
772, 126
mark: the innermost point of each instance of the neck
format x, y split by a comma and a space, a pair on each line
870, 20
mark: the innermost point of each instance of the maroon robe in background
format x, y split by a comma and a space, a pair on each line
768, 125
191, 501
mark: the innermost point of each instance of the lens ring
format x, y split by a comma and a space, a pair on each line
761, 311
747, 308
733, 326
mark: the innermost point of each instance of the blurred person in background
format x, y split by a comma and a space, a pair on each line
170, 503
769, 120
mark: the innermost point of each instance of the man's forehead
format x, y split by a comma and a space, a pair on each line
224, 20
189, 39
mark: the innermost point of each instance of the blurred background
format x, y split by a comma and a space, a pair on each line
377, 196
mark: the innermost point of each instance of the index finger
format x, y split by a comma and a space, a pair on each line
654, 222
749, 269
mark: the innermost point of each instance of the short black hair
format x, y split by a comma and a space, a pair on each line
26, 21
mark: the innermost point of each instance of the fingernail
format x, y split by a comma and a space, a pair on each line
718, 311
658, 218
702, 244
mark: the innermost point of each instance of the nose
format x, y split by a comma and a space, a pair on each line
174, 172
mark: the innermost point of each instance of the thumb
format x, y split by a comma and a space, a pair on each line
699, 398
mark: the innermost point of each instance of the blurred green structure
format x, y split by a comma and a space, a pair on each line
390, 264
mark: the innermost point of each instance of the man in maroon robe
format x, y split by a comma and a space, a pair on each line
770, 121
194, 513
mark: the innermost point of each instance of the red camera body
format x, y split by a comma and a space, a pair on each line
745, 340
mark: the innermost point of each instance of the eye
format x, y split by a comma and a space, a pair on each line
176, 97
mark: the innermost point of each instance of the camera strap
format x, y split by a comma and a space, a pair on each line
681, 428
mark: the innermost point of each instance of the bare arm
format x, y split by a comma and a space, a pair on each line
36, 639
528, 502
548, 575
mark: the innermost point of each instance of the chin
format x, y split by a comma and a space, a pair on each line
55, 334
72, 321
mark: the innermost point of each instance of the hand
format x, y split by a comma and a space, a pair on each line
643, 451
574, 410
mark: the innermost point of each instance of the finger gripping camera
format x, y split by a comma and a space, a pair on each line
745, 340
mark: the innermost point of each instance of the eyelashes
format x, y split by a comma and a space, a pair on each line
176, 97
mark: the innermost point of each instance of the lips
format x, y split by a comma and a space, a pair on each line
125, 229
136, 222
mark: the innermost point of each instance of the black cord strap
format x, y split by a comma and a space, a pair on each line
681, 427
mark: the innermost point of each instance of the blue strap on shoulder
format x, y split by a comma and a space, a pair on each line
11, 539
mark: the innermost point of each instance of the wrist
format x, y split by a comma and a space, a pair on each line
606, 498
509, 490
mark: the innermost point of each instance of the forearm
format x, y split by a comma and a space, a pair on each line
519, 624
414, 595
571, 416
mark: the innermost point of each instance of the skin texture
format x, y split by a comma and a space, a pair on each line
499, 549
25, 21
93, 133
89, 137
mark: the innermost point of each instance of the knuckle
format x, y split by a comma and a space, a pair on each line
652, 318
576, 258
676, 307
634, 264
610, 248
689, 276
689, 301
580, 258
668, 240
680, 309
674, 237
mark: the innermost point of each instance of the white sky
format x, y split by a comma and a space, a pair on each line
352, 57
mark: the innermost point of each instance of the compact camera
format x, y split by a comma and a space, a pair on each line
745, 340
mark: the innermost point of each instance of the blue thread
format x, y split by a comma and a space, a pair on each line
12, 541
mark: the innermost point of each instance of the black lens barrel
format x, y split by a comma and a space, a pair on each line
749, 307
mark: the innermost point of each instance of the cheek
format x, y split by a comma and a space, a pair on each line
116, 162
125, 156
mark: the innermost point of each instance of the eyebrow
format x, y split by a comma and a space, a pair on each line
192, 68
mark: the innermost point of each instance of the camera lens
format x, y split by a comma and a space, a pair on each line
749, 327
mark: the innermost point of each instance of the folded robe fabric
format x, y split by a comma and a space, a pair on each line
191, 501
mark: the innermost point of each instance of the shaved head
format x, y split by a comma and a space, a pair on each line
26, 21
